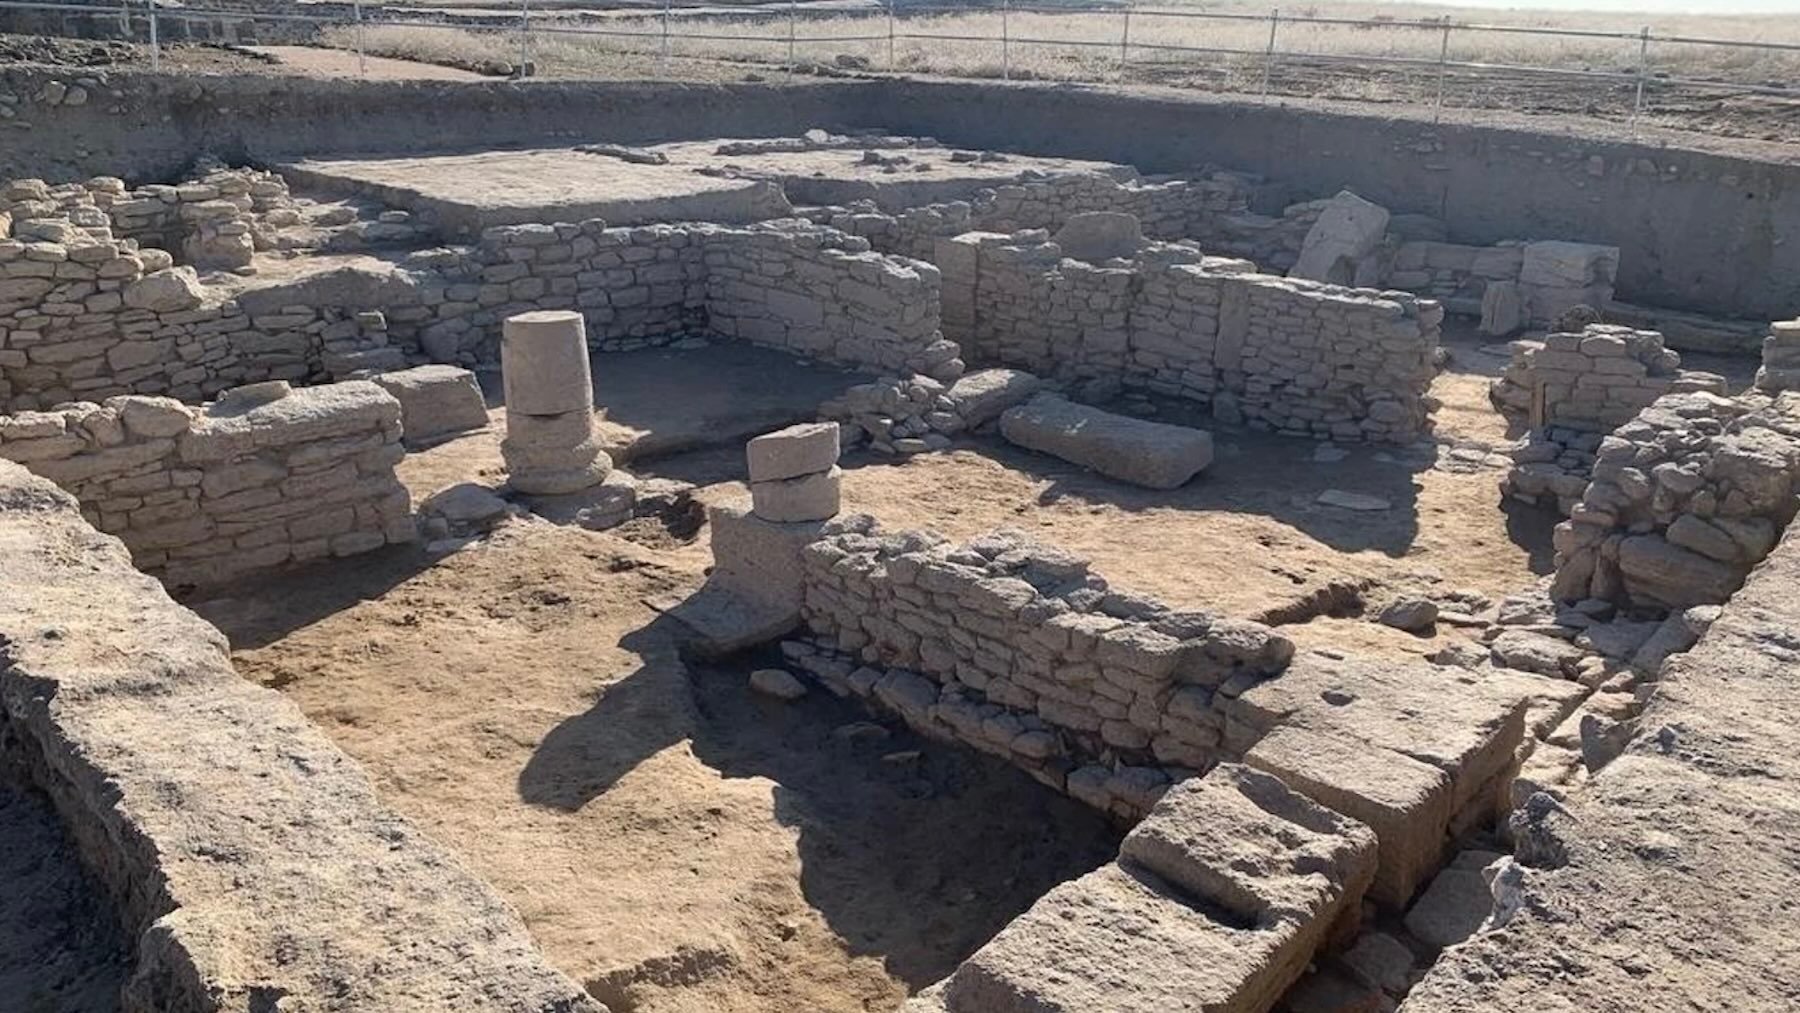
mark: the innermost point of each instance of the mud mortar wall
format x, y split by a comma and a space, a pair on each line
203, 495
247, 855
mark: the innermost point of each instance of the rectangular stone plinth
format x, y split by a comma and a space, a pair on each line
435, 401
805, 449
1152, 454
1218, 901
813, 497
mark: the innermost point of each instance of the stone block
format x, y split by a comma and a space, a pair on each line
814, 497
1100, 235
1217, 902
1152, 454
435, 400
805, 449
1348, 231
981, 396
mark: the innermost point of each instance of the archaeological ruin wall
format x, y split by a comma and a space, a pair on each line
1570, 390
247, 856
1683, 501
257, 479
1293, 356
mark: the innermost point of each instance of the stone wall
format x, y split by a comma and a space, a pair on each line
1684, 500
1293, 356
251, 862
1168, 209
1017, 649
1572, 388
202, 495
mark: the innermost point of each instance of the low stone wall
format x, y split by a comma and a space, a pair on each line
1684, 500
202, 495
86, 315
1293, 356
1573, 387
1168, 209
250, 860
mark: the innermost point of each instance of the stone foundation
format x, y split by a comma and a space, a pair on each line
203, 495
1297, 357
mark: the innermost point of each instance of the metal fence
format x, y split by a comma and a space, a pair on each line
1135, 41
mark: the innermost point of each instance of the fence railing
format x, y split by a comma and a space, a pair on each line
1134, 43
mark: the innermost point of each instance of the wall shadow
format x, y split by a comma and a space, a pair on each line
258, 610
913, 851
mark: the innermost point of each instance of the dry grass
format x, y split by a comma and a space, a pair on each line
1090, 47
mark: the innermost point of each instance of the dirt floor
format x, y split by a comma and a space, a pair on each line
61, 950
316, 62
679, 844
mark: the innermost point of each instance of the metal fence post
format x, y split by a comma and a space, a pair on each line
663, 57
155, 46
1643, 68
524, 37
1005, 42
1125, 39
793, 15
362, 60
1437, 112
1269, 54
890, 19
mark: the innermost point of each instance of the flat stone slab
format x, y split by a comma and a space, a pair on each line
803, 449
1217, 903
1152, 454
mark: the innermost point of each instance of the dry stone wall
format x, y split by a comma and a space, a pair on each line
1169, 209
1571, 389
1684, 500
1019, 650
1292, 356
202, 495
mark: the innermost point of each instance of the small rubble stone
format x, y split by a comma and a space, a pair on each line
778, 683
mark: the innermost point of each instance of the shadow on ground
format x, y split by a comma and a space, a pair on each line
251, 618
912, 851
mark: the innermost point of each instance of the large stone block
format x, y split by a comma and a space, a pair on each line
981, 396
544, 363
1218, 901
1100, 235
1347, 232
1152, 454
805, 449
814, 497
435, 400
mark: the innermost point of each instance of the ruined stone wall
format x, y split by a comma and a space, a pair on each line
1293, 356
1019, 650
788, 285
201, 495
1683, 501
1571, 389
249, 859
1167, 209
86, 314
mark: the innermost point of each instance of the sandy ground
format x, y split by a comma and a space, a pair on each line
680, 845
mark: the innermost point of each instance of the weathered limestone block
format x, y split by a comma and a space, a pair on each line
167, 291
980, 397
1152, 454
1502, 309
1405, 801
814, 497
1347, 233
804, 449
435, 400
544, 363
1100, 235
1217, 902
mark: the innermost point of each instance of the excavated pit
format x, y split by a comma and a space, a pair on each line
928, 806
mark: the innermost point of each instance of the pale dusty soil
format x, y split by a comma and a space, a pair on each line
681, 846
317, 62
